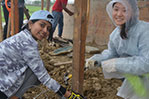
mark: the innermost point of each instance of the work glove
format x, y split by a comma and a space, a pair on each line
75, 95
109, 65
93, 62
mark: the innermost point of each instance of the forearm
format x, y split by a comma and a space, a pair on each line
67, 10
132, 65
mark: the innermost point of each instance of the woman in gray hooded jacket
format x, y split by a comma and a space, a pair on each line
20, 62
128, 49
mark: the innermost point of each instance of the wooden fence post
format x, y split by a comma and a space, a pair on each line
79, 37
14, 17
48, 5
42, 4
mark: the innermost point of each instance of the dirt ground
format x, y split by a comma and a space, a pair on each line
95, 86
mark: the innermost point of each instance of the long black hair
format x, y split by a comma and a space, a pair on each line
123, 33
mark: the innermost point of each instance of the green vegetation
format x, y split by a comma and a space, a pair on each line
2, 14
31, 9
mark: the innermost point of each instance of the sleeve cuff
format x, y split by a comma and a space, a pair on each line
61, 91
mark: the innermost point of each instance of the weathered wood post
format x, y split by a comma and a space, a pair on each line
48, 5
42, 4
79, 37
14, 17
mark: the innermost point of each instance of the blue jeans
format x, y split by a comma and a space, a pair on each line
58, 17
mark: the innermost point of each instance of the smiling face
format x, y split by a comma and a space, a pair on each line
119, 14
40, 29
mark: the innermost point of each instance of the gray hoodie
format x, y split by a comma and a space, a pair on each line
17, 53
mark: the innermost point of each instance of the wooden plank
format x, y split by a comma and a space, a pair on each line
63, 63
42, 4
88, 11
48, 5
79, 36
1, 29
14, 17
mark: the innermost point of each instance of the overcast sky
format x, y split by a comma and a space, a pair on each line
69, 1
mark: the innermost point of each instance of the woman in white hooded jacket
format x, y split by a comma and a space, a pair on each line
128, 49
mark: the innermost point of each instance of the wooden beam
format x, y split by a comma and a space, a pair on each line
14, 17
42, 4
79, 37
1, 29
88, 11
48, 5
63, 63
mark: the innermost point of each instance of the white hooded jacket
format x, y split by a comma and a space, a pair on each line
131, 54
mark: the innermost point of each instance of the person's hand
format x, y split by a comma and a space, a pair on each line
75, 95
90, 64
70, 13
93, 62
109, 65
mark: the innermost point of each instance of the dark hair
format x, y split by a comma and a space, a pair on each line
33, 21
114, 4
26, 25
123, 33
